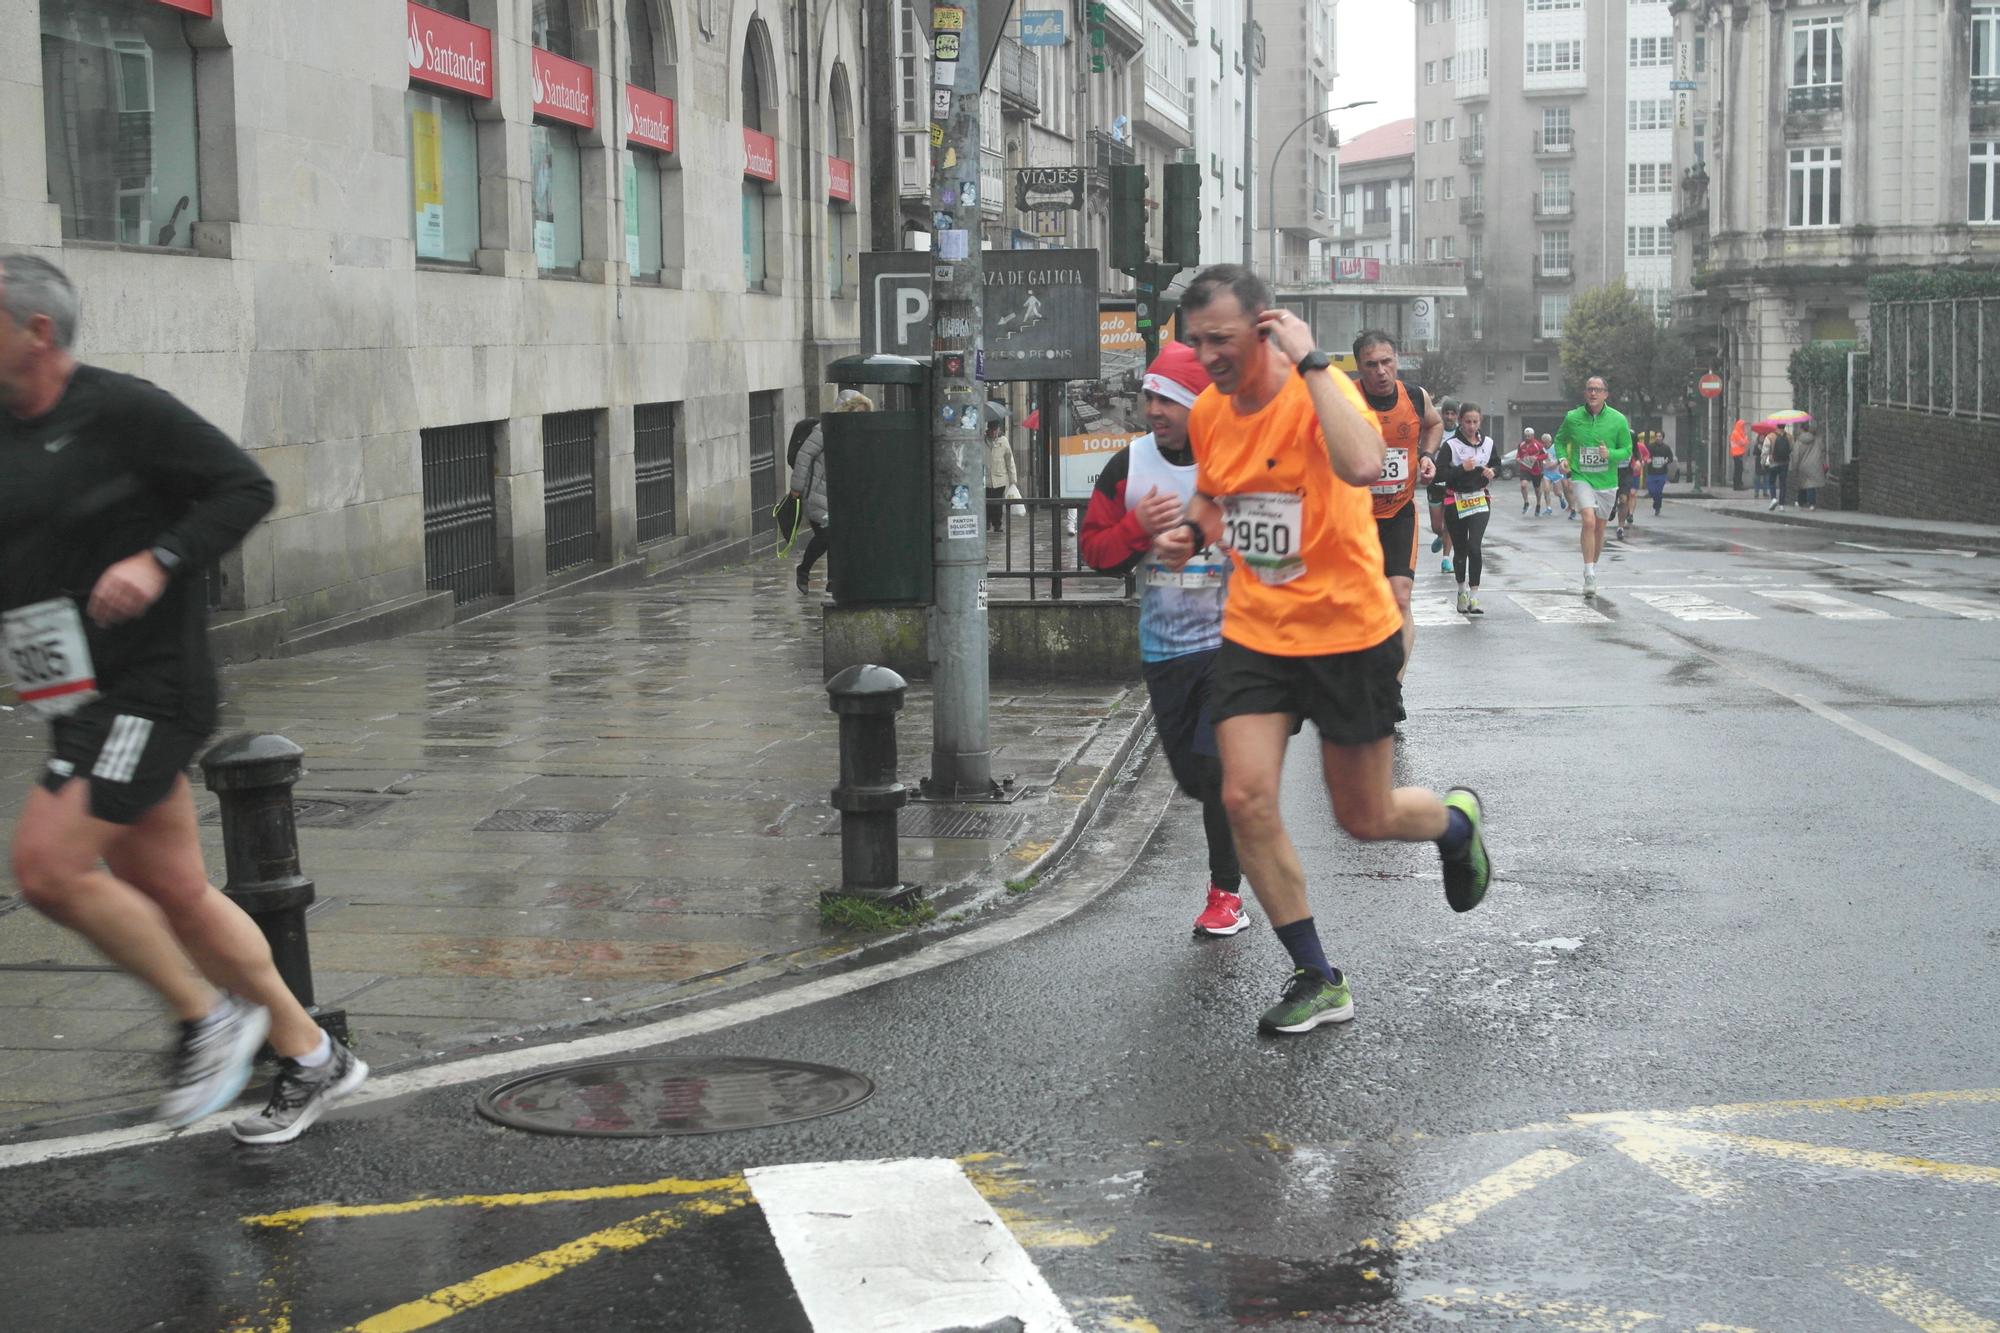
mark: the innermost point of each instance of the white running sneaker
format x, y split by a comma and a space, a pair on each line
1590, 585
300, 1096
212, 1063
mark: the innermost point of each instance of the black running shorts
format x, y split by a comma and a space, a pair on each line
1180, 688
130, 761
1399, 542
1434, 492
1353, 698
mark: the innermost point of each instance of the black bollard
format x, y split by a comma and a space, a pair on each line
253, 776
868, 797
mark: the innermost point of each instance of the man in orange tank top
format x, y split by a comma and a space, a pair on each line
1285, 450
1411, 431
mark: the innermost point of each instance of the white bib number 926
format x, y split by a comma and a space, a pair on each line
1266, 531
49, 657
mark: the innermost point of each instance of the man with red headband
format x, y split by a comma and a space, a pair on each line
1142, 492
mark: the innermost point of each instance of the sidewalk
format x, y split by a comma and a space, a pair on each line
677, 729
1853, 523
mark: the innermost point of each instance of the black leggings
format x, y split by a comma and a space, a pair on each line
1466, 534
814, 549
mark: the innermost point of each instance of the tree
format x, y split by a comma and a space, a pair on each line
1442, 372
1609, 331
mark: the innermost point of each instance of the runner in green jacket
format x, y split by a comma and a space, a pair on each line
1594, 442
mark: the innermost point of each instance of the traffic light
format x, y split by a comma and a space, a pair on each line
1128, 216
1181, 241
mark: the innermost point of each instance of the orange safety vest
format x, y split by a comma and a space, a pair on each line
1739, 439
1401, 427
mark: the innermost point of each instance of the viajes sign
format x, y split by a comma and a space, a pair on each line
564, 89
449, 52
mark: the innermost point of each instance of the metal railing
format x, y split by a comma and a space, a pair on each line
1932, 356
569, 488
763, 462
1555, 205
1106, 151
1039, 547
653, 469
460, 527
1472, 209
1472, 150
1986, 90
1555, 143
1814, 97
1551, 270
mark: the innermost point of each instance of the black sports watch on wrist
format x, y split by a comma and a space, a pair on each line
1200, 537
1314, 360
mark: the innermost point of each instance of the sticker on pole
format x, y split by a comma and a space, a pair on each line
961, 527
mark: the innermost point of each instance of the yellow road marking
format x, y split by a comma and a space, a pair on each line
1818, 1105
1664, 1152
1122, 1317
295, 1217
1001, 1183
1184, 1240
1932, 1311
475, 1291
1510, 1181
1579, 1316
1857, 1159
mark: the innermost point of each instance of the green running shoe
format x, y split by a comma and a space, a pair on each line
1468, 871
1309, 1000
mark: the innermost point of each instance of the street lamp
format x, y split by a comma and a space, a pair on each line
1271, 185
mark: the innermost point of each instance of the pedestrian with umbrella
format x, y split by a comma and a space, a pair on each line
1781, 461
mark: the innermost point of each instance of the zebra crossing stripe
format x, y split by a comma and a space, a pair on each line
1963, 607
901, 1246
1558, 608
1434, 611
1691, 606
119, 759
1820, 604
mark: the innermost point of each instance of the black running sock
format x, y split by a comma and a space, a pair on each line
1458, 832
1301, 941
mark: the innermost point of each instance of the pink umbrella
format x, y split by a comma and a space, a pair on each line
1768, 427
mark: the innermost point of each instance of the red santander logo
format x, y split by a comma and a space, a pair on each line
649, 119
449, 52
564, 89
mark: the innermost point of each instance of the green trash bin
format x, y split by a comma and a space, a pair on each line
878, 484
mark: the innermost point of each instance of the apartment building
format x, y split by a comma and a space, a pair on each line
1377, 174
454, 271
1545, 165
1294, 204
1841, 139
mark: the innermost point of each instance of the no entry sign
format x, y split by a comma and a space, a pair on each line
1711, 385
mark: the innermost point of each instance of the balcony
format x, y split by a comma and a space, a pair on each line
1475, 276
1173, 96
1551, 270
1020, 79
1555, 143
1106, 151
1472, 210
1375, 217
1555, 205
1814, 97
1986, 90
1471, 150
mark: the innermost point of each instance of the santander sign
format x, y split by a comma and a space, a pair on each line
649, 119
564, 89
449, 52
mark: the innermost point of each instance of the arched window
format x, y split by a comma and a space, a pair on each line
118, 111
653, 208
842, 223
760, 157
555, 152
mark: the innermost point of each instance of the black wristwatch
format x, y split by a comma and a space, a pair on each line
1314, 360
1200, 537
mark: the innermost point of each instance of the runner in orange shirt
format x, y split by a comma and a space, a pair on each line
1285, 452
1412, 430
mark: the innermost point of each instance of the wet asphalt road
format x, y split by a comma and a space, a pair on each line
1725, 921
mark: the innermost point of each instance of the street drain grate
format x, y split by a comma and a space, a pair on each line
326, 812
937, 821
691, 1094
543, 821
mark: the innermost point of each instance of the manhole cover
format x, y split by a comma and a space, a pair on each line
543, 821
325, 812
692, 1094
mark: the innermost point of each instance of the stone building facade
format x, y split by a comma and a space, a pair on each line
502, 293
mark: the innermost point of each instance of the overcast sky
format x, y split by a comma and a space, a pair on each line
1376, 46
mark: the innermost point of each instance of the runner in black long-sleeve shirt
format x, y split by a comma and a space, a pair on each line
1467, 506
114, 497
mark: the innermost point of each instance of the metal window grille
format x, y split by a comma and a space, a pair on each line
763, 462
569, 488
459, 520
653, 468
1938, 357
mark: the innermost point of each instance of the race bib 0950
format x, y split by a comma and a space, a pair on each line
1266, 530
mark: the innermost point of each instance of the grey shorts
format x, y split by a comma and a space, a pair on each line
1583, 495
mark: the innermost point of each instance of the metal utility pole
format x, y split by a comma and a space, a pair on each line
1249, 131
961, 753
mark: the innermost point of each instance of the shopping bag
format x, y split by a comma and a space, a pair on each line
1014, 493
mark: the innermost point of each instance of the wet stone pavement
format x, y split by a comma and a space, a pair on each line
590, 805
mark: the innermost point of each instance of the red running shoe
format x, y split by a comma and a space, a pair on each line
1223, 915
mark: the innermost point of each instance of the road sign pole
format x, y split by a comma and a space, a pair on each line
961, 753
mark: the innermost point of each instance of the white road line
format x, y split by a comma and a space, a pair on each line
1820, 604
1020, 923
1691, 606
900, 1247
1944, 601
1555, 608
1430, 612
1986, 791
1911, 550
